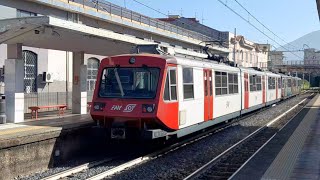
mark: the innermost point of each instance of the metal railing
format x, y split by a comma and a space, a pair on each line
297, 63
47, 99
112, 9
50, 98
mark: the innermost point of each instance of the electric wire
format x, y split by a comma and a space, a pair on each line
235, 12
264, 25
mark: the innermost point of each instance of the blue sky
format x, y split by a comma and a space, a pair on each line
289, 19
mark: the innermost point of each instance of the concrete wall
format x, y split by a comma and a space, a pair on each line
24, 155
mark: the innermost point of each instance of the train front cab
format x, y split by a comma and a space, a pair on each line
128, 98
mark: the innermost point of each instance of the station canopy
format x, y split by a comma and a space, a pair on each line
52, 33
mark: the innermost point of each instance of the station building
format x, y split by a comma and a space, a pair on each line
47, 72
247, 53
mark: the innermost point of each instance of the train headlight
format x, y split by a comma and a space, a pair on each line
132, 60
98, 106
148, 108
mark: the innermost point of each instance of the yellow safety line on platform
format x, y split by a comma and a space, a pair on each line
22, 129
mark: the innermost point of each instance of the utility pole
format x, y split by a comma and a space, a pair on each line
234, 46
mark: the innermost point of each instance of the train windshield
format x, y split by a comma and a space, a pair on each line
129, 83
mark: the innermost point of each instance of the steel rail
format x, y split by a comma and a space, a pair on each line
205, 167
181, 144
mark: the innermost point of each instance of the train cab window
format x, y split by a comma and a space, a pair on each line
135, 83
170, 89
188, 90
221, 82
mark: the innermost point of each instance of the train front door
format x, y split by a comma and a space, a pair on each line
208, 94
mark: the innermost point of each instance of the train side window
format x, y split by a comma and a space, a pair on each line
188, 90
221, 82
271, 83
170, 89
233, 83
166, 95
258, 80
279, 83
253, 83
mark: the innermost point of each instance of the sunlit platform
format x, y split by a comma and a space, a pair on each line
294, 153
41, 129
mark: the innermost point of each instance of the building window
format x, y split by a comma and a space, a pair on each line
221, 82
233, 83
170, 90
22, 13
92, 72
271, 83
30, 71
188, 91
255, 83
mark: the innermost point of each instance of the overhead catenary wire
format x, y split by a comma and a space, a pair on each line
166, 15
264, 25
235, 12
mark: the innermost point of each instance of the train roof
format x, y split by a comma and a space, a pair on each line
205, 63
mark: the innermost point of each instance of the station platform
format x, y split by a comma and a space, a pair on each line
13, 134
37, 145
293, 153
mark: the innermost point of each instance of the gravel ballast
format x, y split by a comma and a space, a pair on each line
180, 163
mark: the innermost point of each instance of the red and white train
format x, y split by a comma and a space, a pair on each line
155, 96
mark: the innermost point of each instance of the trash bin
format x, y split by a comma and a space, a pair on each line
3, 117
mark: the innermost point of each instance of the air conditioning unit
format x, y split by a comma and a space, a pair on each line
47, 77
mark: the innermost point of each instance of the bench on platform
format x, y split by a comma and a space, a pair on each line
34, 109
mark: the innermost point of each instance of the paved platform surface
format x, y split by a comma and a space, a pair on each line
36, 130
294, 153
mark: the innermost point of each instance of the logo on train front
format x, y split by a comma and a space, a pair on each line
116, 108
129, 108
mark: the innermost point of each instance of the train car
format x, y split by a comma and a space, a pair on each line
273, 93
160, 96
286, 86
254, 89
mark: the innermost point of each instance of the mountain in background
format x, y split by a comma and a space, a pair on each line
312, 40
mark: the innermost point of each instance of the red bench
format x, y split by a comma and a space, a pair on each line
34, 109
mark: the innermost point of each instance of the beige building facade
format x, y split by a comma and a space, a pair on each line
246, 53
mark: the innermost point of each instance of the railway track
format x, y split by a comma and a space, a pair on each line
229, 162
116, 164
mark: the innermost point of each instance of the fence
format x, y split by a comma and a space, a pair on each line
50, 98
112, 9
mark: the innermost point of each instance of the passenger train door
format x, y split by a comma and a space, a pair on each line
246, 91
208, 94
